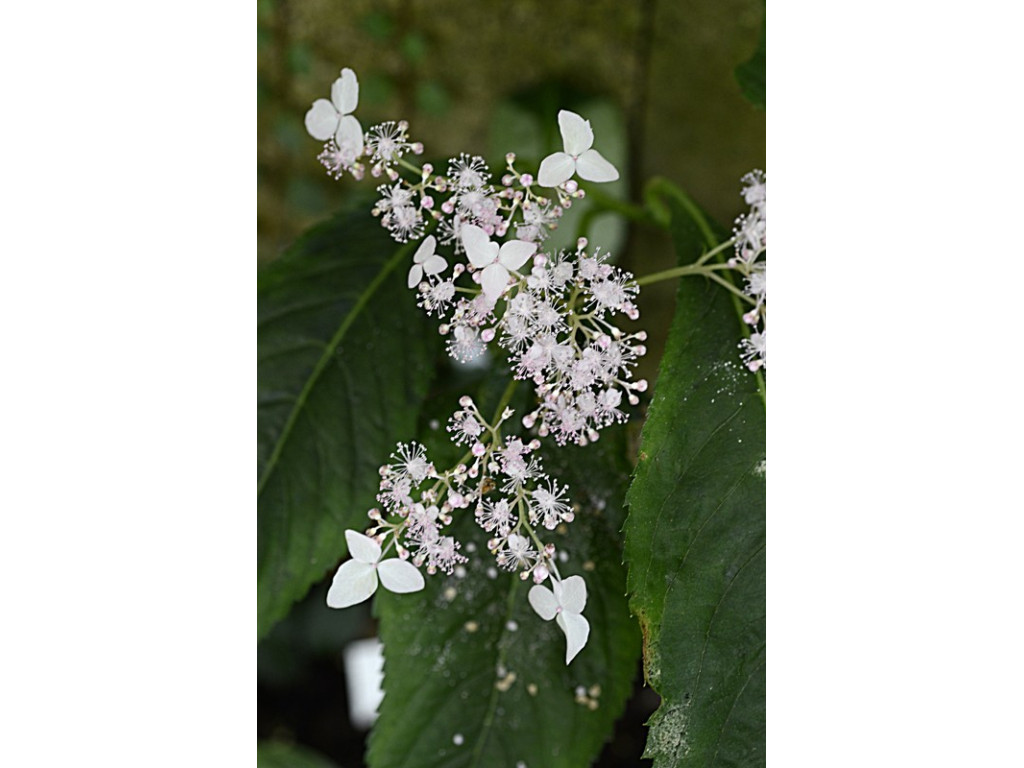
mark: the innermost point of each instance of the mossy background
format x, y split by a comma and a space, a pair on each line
656, 77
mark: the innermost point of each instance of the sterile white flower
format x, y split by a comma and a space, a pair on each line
578, 157
565, 605
333, 119
426, 261
495, 261
356, 579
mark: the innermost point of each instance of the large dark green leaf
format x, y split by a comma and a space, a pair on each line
343, 369
473, 677
695, 535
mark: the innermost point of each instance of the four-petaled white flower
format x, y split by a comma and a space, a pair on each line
578, 157
327, 119
564, 605
425, 260
356, 579
495, 261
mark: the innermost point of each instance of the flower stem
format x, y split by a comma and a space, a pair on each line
690, 269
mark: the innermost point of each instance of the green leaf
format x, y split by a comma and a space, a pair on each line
277, 754
344, 364
474, 678
695, 535
751, 75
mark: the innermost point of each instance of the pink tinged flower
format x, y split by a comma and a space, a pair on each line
565, 605
578, 157
327, 119
426, 261
496, 262
356, 579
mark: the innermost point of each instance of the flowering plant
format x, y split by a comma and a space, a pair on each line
523, 480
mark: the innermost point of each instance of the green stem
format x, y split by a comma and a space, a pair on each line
506, 397
690, 269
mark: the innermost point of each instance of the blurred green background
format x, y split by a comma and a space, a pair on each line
657, 80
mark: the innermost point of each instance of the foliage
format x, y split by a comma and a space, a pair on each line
333, 324
695, 535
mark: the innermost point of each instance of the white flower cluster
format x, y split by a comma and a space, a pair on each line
553, 320
751, 253
551, 312
502, 480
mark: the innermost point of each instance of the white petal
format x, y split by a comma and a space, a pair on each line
574, 594
577, 630
425, 251
514, 253
592, 167
362, 547
435, 265
400, 576
555, 169
494, 281
345, 92
415, 275
577, 135
353, 583
479, 248
322, 120
350, 133
542, 600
